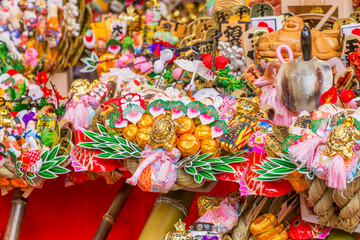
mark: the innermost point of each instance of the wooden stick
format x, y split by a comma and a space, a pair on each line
161, 74
16, 216
182, 73
57, 99
114, 210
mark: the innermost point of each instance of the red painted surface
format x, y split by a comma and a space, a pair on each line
55, 212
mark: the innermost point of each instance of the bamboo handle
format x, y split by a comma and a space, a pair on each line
115, 208
168, 209
16, 217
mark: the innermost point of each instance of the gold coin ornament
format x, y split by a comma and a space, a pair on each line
210, 146
188, 144
187, 125
202, 132
143, 136
145, 121
130, 132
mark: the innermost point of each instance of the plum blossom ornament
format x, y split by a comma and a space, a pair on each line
124, 60
178, 73
143, 65
35, 92
165, 56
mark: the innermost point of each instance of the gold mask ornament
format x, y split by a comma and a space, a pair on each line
342, 139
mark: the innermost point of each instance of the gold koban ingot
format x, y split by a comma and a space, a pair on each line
130, 132
145, 121
210, 146
202, 132
143, 136
188, 144
187, 124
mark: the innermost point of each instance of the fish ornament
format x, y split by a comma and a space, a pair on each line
300, 83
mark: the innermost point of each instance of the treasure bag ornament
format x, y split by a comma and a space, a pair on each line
156, 172
240, 130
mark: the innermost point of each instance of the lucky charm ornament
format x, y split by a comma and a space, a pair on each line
339, 148
163, 132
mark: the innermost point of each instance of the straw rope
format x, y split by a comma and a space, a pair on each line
347, 201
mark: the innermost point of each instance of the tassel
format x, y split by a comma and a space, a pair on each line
282, 115
337, 174
304, 152
78, 114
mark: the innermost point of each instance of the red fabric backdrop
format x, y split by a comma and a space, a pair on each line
55, 212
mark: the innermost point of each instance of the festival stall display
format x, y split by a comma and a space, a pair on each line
187, 95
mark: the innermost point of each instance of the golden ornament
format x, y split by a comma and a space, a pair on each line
145, 121
163, 132
174, 140
202, 132
5, 118
188, 125
130, 132
159, 117
143, 136
210, 146
113, 131
104, 64
188, 144
79, 87
247, 106
206, 203
297, 181
266, 227
342, 139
